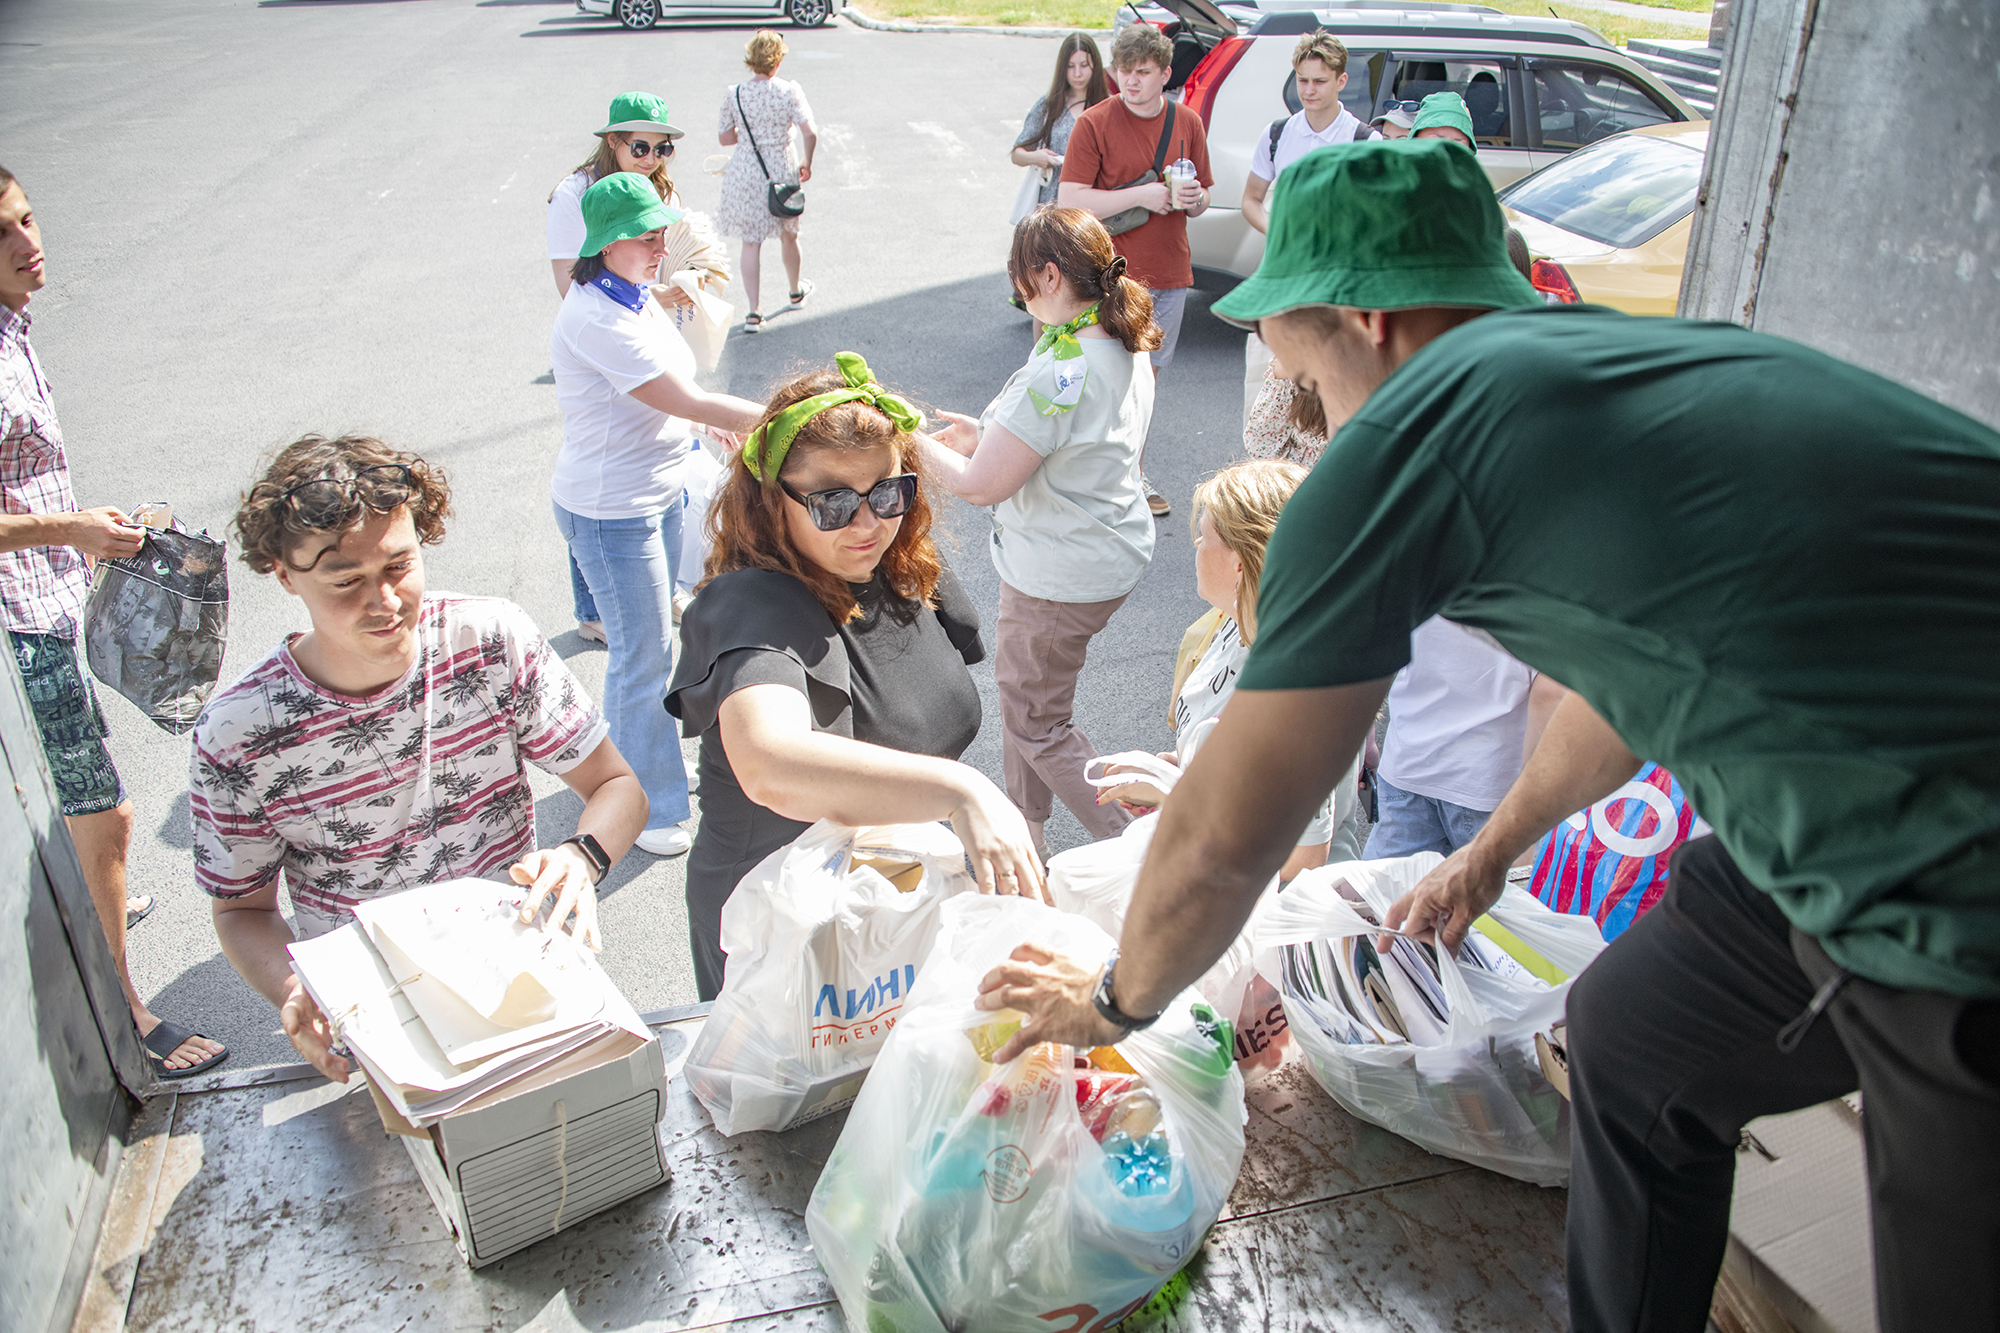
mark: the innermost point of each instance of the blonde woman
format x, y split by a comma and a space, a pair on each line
1235, 512
757, 119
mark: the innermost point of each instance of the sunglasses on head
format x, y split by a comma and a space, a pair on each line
834, 509
329, 502
640, 148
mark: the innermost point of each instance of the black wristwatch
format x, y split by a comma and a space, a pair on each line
600, 864
1109, 1007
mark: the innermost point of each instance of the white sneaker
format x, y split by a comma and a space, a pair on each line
670, 841
682, 600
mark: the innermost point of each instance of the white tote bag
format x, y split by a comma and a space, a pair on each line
1029, 196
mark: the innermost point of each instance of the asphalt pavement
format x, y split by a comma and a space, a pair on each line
266, 219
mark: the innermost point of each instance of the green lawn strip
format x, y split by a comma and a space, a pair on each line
1087, 15
1095, 15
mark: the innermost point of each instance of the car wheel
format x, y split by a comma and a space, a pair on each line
809, 13
638, 14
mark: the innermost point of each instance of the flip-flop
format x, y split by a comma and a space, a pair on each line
134, 915
165, 1039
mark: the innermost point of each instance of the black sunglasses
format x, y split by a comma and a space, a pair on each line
834, 509
329, 502
1411, 107
664, 148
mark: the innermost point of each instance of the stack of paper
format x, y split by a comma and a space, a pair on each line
447, 998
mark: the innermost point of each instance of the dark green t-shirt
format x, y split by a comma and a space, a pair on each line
1774, 573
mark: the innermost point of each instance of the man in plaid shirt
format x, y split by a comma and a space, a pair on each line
46, 544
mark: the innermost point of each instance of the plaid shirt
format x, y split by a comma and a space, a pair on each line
41, 587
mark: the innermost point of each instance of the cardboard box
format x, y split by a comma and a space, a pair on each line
510, 1169
1800, 1248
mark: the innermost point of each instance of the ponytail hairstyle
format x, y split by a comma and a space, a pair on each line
1243, 502
746, 526
1077, 244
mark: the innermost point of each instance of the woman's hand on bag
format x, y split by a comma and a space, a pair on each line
960, 433
312, 1036
1054, 993
1136, 797
670, 295
1445, 903
998, 844
566, 874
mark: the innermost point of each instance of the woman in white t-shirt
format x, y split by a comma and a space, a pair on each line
1235, 512
1056, 455
637, 137
625, 384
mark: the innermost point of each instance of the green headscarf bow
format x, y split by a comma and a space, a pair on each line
764, 452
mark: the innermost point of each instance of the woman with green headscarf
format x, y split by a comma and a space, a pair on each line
823, 661
1056, 455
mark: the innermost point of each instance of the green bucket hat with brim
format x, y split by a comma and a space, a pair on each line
619, 207
1381, 225
638, 111
1444, 109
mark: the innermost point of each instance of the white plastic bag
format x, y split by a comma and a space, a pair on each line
824, 939
1464, 1083
1095, 881
964, 1195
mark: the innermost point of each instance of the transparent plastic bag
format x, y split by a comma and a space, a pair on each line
824, 938
964, 1195
1095, 881
1438, 1049
157, 622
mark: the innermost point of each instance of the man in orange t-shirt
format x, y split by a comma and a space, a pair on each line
1116, 142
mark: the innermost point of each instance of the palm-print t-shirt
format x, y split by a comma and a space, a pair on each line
423, 781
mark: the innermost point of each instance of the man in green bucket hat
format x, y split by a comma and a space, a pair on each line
1773, 573
1443, 116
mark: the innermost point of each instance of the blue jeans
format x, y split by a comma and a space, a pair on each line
628, 570
1411, 823
684, 577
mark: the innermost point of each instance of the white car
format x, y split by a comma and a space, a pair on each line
1537, 89
638, 14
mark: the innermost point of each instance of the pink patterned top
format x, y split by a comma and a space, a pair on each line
357, 797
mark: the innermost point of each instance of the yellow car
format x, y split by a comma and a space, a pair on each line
1609, 223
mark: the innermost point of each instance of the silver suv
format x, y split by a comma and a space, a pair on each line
1537, 88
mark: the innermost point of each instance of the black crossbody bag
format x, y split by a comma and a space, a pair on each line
784, 201
1126, 219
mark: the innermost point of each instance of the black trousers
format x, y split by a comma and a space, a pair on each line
1674, 1045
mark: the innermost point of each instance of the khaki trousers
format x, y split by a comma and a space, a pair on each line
1041, 647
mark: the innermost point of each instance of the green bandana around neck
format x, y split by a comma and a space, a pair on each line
765, 449
1059, 357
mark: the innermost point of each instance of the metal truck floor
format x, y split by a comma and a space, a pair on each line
274, 1200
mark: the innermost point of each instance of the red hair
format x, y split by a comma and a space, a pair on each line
746, 521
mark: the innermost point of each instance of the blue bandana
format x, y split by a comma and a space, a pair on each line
632, 297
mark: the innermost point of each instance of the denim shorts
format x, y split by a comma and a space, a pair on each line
70, 721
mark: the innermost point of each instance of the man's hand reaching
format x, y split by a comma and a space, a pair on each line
1445, 903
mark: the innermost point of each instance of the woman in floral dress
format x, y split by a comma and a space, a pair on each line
772, 106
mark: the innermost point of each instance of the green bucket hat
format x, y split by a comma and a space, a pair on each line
622, 205
638, 111
1448, 110
1381, 225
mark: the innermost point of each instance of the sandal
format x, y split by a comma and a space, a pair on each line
799, 296
165, 1039
751, 322
134, 915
